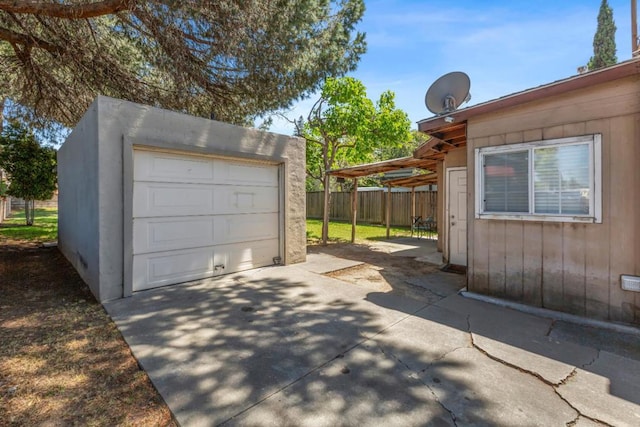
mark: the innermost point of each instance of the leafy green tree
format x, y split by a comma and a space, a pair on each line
402, 150
30, 166
345, 127
232, 59
604, 41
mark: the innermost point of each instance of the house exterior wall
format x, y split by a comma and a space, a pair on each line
117, 126
571, 267
440, 211
452, 159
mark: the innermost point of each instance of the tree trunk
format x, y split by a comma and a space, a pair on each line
29, 205
325, 212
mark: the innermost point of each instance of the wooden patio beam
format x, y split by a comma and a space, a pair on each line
423, 150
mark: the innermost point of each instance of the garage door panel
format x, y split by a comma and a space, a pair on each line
165, 199
245, 256
165, 167
164, 268
243, 228
245, 200
162, 234
162, 199
236, 173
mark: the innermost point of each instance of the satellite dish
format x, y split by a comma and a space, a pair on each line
447, 93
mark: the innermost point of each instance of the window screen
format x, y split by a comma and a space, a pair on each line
506, 180
562, 180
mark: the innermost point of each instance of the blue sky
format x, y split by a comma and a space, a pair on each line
504, 46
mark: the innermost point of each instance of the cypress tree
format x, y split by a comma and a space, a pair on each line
604, 41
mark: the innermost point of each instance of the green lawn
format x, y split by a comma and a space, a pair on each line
44, 228
341, 231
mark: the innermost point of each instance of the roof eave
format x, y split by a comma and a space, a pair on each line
615, 72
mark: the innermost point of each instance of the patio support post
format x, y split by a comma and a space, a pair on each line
413, 207
354, 209
388, 210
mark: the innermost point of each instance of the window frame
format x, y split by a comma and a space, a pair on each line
594, 142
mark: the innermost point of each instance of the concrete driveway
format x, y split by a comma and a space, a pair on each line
287, 346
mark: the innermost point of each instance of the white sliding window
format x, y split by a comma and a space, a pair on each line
553, 180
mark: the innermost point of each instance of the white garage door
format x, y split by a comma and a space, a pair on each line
196, 217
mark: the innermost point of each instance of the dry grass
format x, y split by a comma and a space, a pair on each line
62, 360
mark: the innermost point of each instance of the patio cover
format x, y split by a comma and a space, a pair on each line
426, 157
384, 166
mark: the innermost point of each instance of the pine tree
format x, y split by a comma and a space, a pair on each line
604, 41
233, 59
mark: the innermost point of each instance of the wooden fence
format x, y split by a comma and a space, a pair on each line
371, 206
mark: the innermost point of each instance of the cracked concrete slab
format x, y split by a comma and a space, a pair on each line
323, 263
521, 340
586, 422
283, 345
608, 390
424, 338
481, 391
441, 284
540, 357
364, 388
623, 344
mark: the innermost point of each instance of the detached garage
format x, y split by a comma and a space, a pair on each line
151, 198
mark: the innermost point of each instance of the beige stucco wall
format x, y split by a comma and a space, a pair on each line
570, 267
95, 167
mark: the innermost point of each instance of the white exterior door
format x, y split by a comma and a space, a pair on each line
197, 217
457, 215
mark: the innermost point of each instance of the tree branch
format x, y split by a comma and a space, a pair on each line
28, 41
68, 11
318, 177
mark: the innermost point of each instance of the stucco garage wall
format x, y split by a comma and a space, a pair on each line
125, 124
78, 212
571, 267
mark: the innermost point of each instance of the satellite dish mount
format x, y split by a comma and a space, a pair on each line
447, 93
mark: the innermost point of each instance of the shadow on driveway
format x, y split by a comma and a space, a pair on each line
262, 349
284, 346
